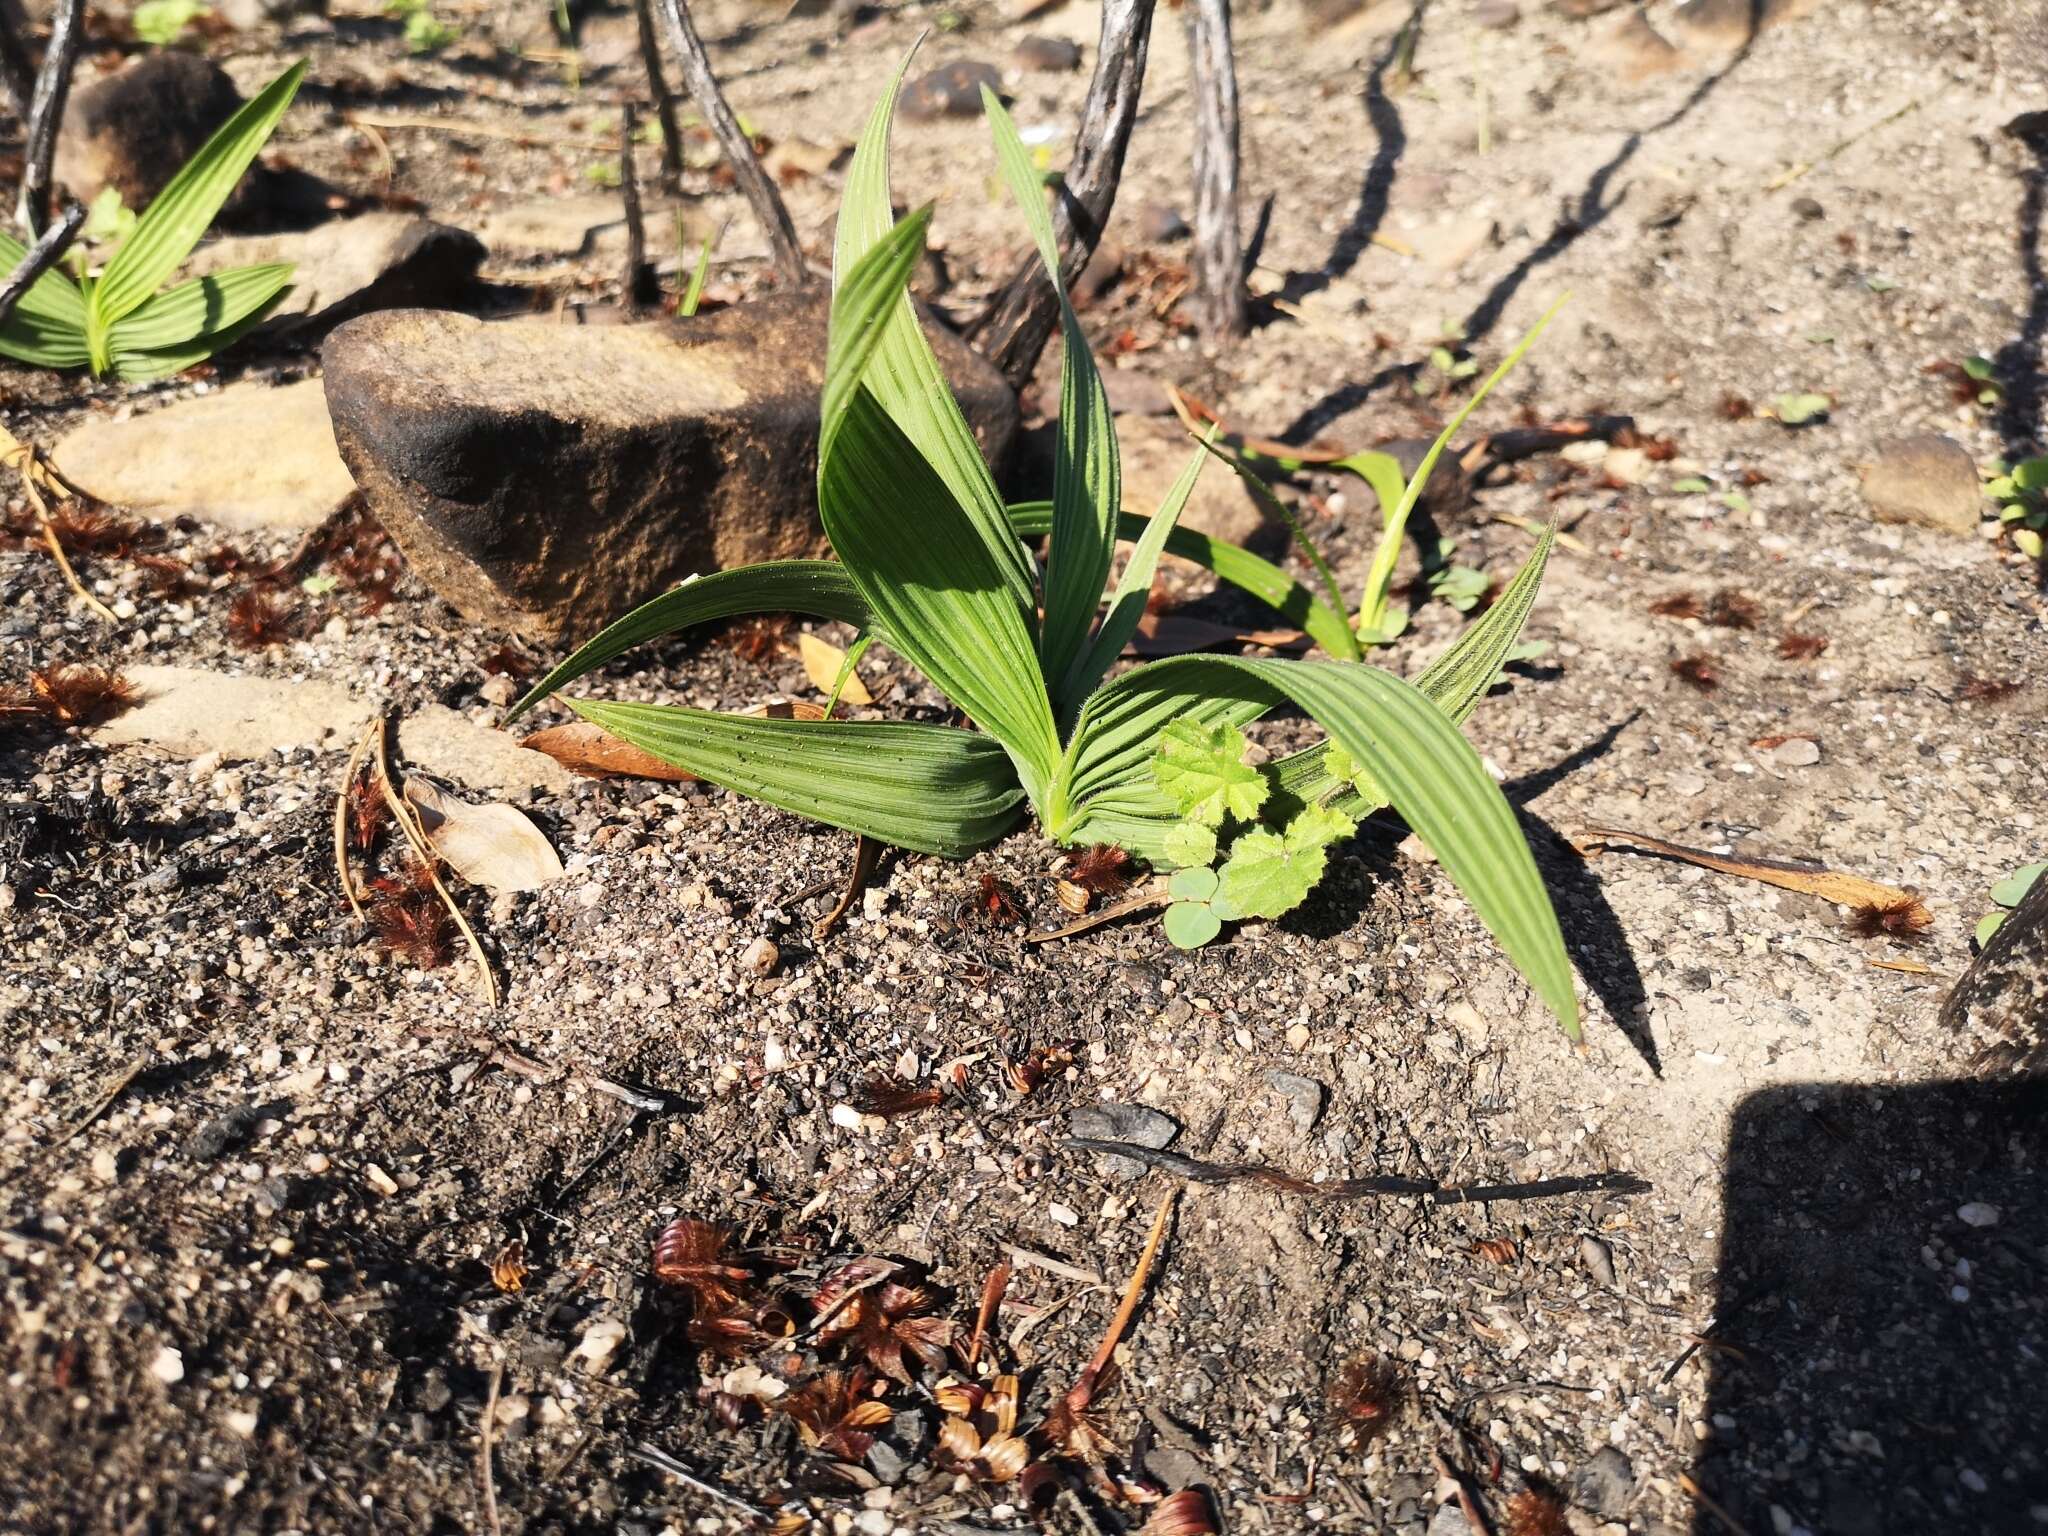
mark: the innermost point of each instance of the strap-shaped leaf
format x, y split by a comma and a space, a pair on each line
52, 296
1430, 772
862, 304
816, 587
43, 340
1133, 588
1455, 682
172, 224
1372, 610
934, 586
1293, 600
928, 787
199, 307
1087, 487
905, 376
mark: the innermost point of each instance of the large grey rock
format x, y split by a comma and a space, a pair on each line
352, 266
546, 479
134, 128
1927, 480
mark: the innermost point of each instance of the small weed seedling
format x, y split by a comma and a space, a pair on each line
2005, 896
2022, 496
117, 323
932, 563
424, 32
162, 22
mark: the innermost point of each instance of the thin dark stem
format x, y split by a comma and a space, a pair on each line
1219, 248
42, 256
1016, 327
53, 86
739, 150
664, 99
639, 283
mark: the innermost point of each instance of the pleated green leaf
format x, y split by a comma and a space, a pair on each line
928, 787
1133, 588
43, 340
52, 297
203, 306
1294, 601
1087, 478
1455, 682
905, 376
934, 587
172, 224
819, 588
1407, 743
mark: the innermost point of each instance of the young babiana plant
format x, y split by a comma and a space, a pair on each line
117, 323
931, 563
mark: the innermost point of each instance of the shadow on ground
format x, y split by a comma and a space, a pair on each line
1877, 1361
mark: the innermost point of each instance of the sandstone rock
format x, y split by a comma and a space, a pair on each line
134, 128
1579, 10
191, 712
352, 266
546, 479
1732, 23
247, 456
951, 90
1132, 393
1634, 51
588, 225
1051, 55
1927, 480
1497, 15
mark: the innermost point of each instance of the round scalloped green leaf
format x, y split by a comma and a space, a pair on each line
1987, 925
1192, 885
1191, 924
2012, 890
1224, 907
1202, 768
1265, 877
1190, 844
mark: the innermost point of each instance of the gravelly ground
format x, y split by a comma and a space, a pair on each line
292, 1204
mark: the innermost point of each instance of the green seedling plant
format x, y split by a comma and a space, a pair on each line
2005, 896
162, 22
424, 32
1376, 622
932, 563
116, 321
2022, 496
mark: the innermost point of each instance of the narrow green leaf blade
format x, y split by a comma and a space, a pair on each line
932, 583
905, 376
927, 787
818, 588
200, 306
1297, 603
1087, 477
165, 234
1134, 587
52, 297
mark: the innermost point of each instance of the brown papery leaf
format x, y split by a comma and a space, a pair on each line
495, 846
822, 661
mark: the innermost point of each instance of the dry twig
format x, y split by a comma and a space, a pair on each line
415, 835
43, 255
46, 111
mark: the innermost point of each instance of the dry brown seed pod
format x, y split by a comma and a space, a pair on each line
1072, 896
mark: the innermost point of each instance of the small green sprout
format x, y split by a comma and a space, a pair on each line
2005, 896
2022, 496
1801, 409
424, 32
162, 22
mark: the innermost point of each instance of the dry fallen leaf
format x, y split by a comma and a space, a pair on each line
1176, 634
822, 661
495, 846
508, 1269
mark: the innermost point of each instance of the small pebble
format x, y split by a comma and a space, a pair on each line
169, 1366
761, 957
